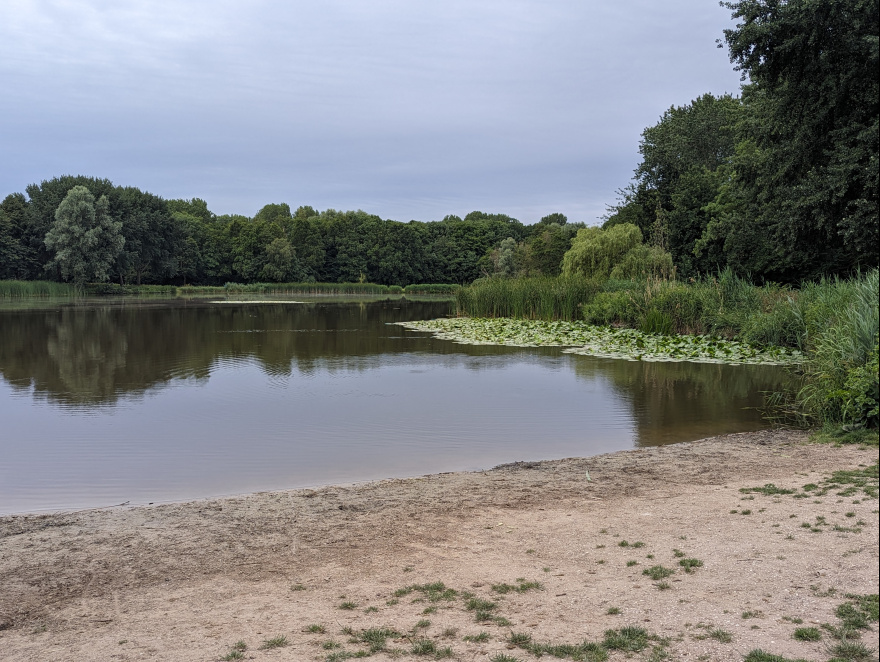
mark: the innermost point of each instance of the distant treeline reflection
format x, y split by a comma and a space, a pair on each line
87, 356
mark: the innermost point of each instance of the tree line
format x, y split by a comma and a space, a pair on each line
149, 240
779, 184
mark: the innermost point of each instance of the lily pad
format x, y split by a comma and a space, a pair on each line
602, 341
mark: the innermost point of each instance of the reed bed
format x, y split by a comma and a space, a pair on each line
835, 322
541, 298
310, 288
432, 288
18, 289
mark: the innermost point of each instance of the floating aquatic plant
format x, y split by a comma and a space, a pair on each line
607, 342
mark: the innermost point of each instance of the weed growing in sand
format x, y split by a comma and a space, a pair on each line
478, 604
329, 645
656, 572
677, 553
477, 638
274, 642
236, 652
858, 612
630, 564
663, 586
758, 655
520, 639
429, 610
348, 606
522, 587
428, 647
501, 657
720, 635
449, 633
423, 623
807, 634
690, 564
376, 638
628, 639
613, 611
316, 629
852, 651
434, 592
752, 614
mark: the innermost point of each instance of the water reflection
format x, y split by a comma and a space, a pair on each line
681, 401
92, 355
155, 401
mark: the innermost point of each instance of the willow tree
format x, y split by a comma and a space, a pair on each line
85, 237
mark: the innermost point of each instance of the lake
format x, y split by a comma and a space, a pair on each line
144, 401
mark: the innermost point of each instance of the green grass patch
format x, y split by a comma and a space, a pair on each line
807, 634
274, 642
759, 655
657, 572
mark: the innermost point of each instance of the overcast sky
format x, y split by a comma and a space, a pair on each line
406, 109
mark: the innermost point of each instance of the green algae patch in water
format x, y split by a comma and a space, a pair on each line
603, 342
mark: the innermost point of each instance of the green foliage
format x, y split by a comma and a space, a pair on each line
804, 199
642, 262
595, 252
84, 237
529, 298
843, 324
18, 289
431, 288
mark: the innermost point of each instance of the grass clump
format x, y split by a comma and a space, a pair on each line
521, 586
657, 572
720, 635
851, 651
376, 638
434, 592
480, 638
236, 652
275, 642
428, 647
807, 634
690, 565
629, 639
479, 604
759, 655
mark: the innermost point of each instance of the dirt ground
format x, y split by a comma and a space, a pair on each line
313, 569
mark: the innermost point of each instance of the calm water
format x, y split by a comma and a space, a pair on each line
156, 401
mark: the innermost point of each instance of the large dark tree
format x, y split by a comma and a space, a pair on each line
803, 201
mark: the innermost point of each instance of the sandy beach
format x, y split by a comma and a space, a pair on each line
553, 552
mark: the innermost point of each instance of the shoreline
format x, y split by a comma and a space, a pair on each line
186, 580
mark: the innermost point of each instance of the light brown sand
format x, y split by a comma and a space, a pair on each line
186, 581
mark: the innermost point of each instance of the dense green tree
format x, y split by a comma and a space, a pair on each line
616, 252
43, 202
684, 164
85, 238
13, 220
281, 264
803, 197
153, 239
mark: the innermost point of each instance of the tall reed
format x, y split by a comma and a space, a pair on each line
15, 289
530, 298
307, 288
432, 288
